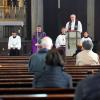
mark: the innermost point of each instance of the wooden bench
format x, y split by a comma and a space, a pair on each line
14, 57
19, 72
36, 93
15, 73
16, 76
81, 72
70, 60
13, 65
38, 97
14, 61
15, 84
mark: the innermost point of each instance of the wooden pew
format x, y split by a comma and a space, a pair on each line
14, 61
85, 68
15, 73
80, 72
14, 57
82, 66
22, 72
15, 84
8, 71
69, 60
16, 80
13, 65
37, 93
16, 76
38, 97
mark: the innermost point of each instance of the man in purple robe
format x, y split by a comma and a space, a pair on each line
37, 36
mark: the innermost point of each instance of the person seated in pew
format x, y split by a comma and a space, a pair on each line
37, 60
89, 88
87, 56
53, 75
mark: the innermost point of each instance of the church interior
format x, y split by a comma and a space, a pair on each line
22, 17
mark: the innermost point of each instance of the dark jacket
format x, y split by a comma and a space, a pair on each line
53, 76
37, 62
89, 89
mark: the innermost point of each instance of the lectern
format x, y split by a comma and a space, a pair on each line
72, 40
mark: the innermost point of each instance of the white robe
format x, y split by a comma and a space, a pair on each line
85, 39
79, 29
14, 42
74, 37
60, 41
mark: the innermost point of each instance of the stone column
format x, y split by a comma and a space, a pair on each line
90, 17
36, 13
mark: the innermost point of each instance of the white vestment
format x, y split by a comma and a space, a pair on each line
85, 39
14, 42
73, 36
79, 27
60, 41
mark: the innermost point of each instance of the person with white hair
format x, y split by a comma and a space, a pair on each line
74, 24
87, 56
37, 60
73, 34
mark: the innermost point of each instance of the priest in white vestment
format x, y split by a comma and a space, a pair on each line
73, 29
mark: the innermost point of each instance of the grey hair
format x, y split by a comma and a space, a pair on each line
47, 42
87, 45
